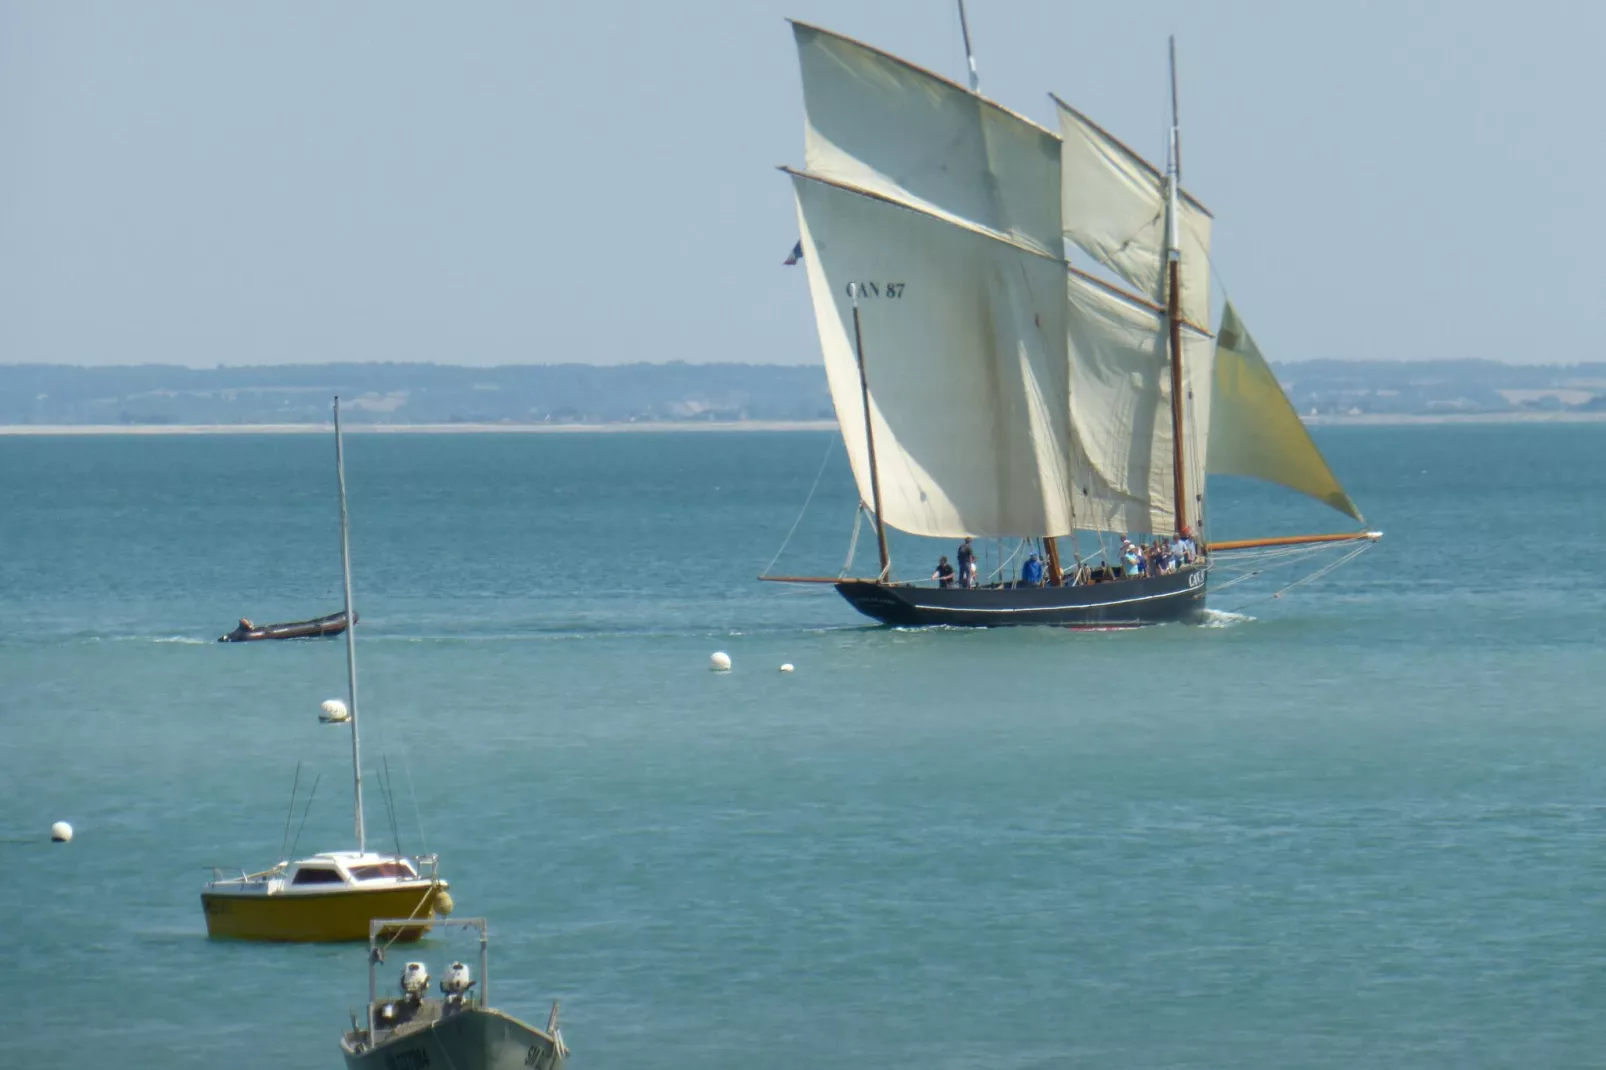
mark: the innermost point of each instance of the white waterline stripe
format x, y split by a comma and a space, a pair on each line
1059, 608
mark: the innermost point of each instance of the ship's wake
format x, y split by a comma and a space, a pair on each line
1223, 618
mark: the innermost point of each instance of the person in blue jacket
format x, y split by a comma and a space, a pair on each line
1031, 573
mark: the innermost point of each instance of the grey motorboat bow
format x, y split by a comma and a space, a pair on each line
413, 1031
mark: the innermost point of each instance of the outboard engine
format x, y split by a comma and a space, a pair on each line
455, 985
414, 981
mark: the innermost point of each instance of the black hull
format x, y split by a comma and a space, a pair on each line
333, 624
1176, 598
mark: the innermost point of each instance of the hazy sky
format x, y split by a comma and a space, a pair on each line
499, 182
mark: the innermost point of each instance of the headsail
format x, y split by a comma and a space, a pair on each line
965, 358
1113, 205
1254, 430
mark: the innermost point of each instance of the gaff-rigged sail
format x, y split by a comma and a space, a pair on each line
1120, 401
964, 355
1254, 430
1113, 206
885, 126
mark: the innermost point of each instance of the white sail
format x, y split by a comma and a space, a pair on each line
964, 350
1113, 206
880, 124
1120, 403
1255, 431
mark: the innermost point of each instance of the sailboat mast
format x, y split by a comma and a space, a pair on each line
869, 435
351, 632
970, 57
1173, 251
1056, 571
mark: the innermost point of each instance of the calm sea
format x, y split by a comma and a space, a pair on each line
1358, 825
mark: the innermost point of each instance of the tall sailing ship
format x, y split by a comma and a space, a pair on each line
988, 387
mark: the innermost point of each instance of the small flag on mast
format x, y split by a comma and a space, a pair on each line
796, 255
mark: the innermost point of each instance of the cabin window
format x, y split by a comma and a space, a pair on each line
400, 870
318, 875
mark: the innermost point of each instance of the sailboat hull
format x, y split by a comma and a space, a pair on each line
1175, 598
318, 917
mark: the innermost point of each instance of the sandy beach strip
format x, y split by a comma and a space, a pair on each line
1449, 419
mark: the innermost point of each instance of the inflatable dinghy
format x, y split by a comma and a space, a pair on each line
333, 624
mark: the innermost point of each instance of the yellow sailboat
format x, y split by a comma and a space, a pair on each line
333, 895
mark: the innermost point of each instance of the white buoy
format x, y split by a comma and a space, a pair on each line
787, 667
334, 712
61, 832
719, 661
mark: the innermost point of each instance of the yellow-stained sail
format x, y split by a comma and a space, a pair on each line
1254, 430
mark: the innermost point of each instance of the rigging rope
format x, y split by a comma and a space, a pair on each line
1005, 563
853, 541
1274, 557
423, 840
830, 445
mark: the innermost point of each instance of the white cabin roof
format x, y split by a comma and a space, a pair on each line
353, 858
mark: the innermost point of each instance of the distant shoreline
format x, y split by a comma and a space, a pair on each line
414, 429
1401, 419
655, 427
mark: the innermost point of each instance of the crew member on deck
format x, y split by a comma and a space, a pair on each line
967, 564
1184, 547
1031, 573
945, 573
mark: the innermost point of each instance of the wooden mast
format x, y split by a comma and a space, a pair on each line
869, 435
1179, 483
1051, 548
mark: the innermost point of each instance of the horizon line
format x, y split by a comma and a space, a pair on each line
710, 364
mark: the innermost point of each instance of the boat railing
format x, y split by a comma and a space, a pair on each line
231, 874
380, 927
1073, 578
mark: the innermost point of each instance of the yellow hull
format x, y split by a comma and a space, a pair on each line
319, 917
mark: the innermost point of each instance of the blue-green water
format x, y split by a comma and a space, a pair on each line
1363, 827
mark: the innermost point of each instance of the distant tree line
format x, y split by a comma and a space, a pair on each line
411, 393
155, 394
